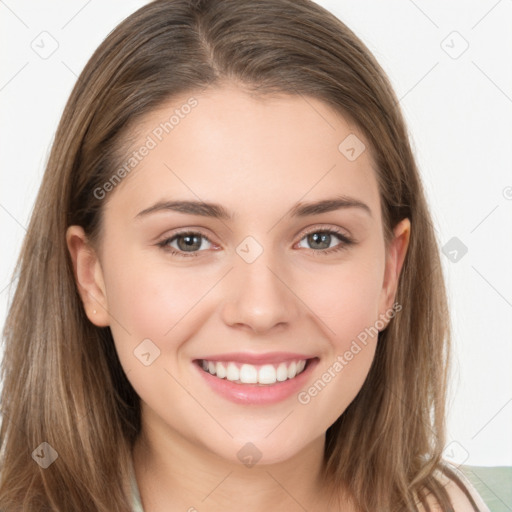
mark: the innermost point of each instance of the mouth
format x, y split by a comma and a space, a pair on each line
256, 379
261, 375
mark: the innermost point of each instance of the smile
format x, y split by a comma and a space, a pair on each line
244, 373
256, 379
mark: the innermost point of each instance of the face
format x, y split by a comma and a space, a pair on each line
213, 255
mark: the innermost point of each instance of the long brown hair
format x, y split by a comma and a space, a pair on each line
62, 381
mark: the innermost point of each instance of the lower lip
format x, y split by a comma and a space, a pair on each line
255, 394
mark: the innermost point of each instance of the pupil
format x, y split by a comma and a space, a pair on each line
190, 242
324, 238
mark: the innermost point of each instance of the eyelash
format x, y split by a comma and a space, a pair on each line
345, 242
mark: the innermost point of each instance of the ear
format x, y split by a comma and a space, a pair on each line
394, 260
88, 276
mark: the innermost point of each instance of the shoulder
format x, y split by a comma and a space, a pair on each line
458, 496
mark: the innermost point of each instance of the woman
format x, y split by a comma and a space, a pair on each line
229, 293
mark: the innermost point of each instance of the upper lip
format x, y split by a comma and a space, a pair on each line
251, 358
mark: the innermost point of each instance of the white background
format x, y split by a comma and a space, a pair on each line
459, 113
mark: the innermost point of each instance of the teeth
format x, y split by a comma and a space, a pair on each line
221, 371
282, 372
292, 370
248, 374
267, 374
232, 372
251, 374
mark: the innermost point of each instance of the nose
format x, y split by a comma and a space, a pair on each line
259, 296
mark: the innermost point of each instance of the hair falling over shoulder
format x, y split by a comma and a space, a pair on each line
62, 381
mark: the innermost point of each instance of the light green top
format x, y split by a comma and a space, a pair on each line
136, 503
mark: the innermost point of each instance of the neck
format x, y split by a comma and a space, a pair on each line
174, 473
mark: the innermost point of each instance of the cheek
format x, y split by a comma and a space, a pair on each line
346, 297
338, 382
346, 300
149, 299
160, 304
153, 302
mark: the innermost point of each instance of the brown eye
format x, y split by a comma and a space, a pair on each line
189, 242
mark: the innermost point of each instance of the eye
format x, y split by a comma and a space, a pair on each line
186, 243
321, 240
190, 243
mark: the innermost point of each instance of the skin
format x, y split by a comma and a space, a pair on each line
257, 157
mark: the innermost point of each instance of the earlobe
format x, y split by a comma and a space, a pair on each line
88, 276
394, 263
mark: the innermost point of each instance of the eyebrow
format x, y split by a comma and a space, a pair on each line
219, 212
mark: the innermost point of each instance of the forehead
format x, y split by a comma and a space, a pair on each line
225, 145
